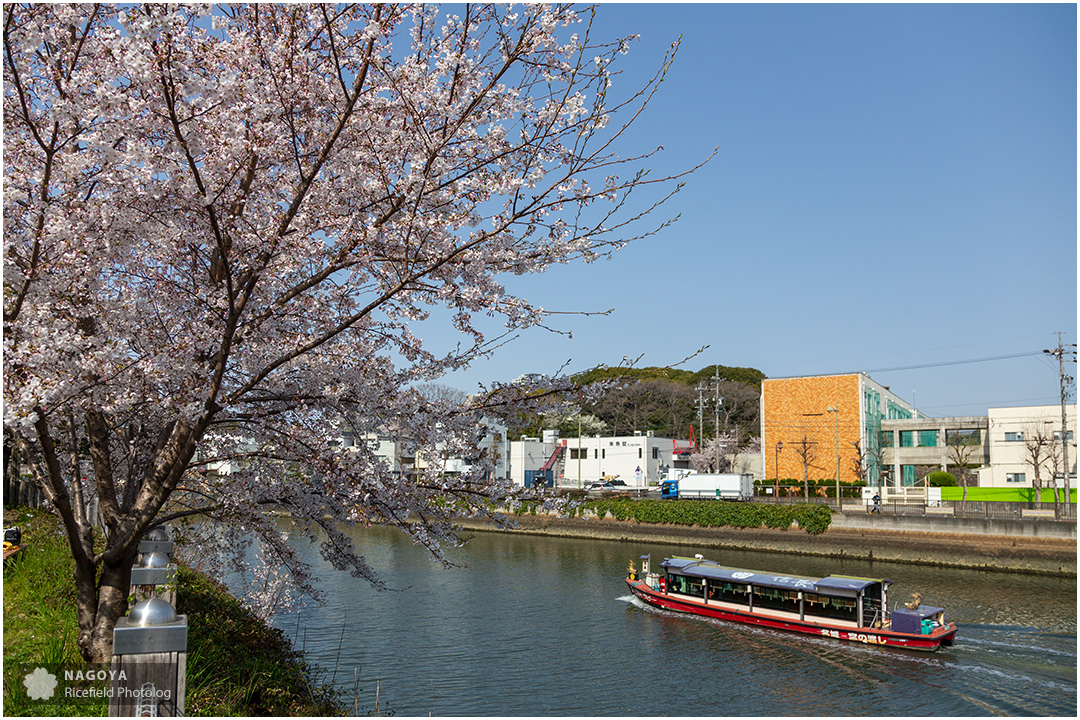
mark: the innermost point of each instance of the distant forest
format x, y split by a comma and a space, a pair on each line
663, 400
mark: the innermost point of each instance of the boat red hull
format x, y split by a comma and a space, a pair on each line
870, 636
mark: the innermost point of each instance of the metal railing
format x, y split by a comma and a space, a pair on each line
946, 508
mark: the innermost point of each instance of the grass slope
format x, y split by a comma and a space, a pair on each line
237, 665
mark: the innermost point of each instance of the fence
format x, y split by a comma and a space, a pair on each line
999, 503
25, 493
985, 509
957, 508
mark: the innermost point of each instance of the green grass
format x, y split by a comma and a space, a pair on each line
237, 665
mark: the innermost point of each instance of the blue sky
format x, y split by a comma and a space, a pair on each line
895, 186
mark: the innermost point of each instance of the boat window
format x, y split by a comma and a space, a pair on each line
776, 599
688, 585
831, 607
728, 592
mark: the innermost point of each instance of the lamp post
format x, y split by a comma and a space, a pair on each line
776, 480
836, 410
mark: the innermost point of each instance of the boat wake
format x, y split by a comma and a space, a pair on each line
1006, 670
1019, 641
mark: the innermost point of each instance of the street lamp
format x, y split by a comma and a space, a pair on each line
834, 409
776, 480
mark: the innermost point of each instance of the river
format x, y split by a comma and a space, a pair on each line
545, 626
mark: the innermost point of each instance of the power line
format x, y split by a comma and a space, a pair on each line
957, 362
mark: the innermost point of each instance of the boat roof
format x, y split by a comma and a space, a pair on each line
829, 585
922, 612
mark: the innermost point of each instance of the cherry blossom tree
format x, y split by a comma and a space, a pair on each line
221, 227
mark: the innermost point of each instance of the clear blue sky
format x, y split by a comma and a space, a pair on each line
895, 186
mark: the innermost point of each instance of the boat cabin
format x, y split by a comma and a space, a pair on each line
863, 602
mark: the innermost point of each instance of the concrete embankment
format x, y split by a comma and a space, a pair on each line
926, 541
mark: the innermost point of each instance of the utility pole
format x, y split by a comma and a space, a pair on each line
716, 403
1060, 354
579, 449
701, 409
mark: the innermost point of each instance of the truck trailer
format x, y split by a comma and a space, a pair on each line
701, 486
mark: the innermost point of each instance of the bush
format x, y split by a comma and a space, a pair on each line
814, 519
940, 478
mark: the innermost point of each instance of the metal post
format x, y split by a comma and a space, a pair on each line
149, 665
1060, 354
155, 573
1064, 427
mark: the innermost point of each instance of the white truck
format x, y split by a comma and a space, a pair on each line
702, 486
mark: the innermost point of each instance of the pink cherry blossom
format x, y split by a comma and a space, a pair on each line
220, 226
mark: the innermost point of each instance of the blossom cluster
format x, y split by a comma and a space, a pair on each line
221, 226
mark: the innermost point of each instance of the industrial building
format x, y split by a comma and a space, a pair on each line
637, 460
813, 426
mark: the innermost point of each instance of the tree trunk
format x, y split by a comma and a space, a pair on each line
99, 607
1057, 504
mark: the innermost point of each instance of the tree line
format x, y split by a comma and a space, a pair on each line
662, 400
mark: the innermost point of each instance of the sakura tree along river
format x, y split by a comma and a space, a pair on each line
546, 626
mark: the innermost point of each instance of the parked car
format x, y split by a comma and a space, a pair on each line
599, 487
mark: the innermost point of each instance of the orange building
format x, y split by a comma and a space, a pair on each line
809, 425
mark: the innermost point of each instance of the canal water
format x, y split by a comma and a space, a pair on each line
545, 626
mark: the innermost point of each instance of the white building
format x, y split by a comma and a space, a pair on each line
400, 456
637, 460
529, 454
1015, 433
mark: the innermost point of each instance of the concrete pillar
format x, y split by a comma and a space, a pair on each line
898, 479
943, 445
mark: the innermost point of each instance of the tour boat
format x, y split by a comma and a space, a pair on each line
837, 606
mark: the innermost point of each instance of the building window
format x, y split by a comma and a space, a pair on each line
639, 451
1015, 477
579, 454
656, 453
1014, 437
1057, 435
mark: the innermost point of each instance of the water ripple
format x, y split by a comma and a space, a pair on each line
544, 626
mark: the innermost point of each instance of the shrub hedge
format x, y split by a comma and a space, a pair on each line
812, 518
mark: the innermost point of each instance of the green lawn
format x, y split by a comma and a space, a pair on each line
237, 665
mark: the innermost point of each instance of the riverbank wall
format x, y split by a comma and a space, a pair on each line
931, 541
